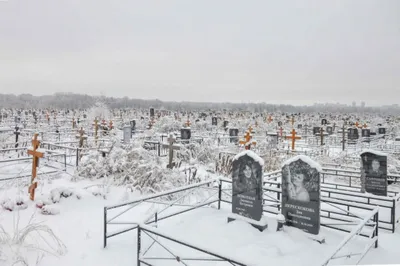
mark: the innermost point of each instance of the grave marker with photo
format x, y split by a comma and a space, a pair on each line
247, 191
301, 194
374, 172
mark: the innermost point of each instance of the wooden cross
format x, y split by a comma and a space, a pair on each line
357, 124
321, 131
292, 121
187, 124
343, 137
293, 137
36, 155
96, 128
81, 137
111, 125
365, 125
16, 136
270, 119
73, 123
171, 148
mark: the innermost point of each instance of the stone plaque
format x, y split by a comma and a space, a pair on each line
301, 194
374, 172
214, 121
233, 135
352, 133
185, 133
365, 133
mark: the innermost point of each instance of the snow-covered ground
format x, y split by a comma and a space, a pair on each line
79, 230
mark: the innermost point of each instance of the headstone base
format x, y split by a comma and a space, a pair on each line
319, 238
260, 225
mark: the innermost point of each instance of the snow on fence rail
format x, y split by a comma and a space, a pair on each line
156, 235
373, 239
157, 199
355, 200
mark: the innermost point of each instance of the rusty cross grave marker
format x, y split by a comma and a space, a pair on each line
36, 155
293, 137
171, 147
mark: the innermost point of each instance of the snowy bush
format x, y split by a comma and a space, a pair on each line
133, 166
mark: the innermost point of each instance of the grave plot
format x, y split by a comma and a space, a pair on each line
181, 231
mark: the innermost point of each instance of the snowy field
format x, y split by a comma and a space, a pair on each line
79, 231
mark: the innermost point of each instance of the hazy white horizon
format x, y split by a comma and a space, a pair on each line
280, 52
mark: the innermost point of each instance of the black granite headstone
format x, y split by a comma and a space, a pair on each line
247, 192
233, 135
382, 130
374, 170
185, 133
151, 112
279, 123
329, 130
299, 126
352, 133
316, 130
365, 133
214, 121
301, 194
226, 124
324, 122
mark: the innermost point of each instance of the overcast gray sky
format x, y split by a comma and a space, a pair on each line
295, 52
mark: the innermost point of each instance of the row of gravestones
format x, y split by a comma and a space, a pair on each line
300, 188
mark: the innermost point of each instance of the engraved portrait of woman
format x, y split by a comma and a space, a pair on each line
244, 177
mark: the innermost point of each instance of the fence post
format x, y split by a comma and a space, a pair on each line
65, 162
377, 228
219, 194
393, 214
278, 196
77, 157
138, 246
105, 227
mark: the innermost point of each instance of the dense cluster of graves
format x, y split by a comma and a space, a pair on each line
303, 192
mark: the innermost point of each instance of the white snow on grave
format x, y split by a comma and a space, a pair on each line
305, 159
251, 154
50, 210
374, 152
263, 221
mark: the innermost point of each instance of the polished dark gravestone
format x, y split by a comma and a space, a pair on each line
352, 134
329, 130
382, 130
316, 130
214, 121
374, 172
247, 192
233, 135
366, 133
185, 133
301, 194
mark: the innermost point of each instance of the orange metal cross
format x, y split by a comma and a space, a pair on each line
36, 155
188, 123
246, 140
293, 137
